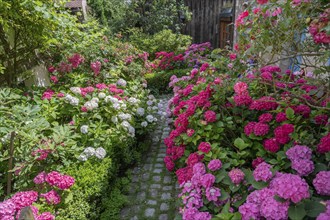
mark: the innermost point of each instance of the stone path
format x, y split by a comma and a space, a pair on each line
153, 190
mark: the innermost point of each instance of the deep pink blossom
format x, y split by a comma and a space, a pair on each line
248, 129
256, 162
51, 197
324, 145
210, 116
263, 172
236, 176
265, 118
240, 88
204, 147
40, 178
271, 145
280, 117
96, 67
260, 129
214, 165
242, 100
321, 119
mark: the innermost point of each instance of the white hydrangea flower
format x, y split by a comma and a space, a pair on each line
154, 108
150, 102
121, 82
116, 106
84, 129
160, 105
140, 111
134, 88
110, 98
82, 157
149, 108
144, 124
124, 116
125, 124
144, 85
74, 101
150, 118
95, 100
114, 119
123, 106
90, 105
102, 95
89, 151
100, 153
75, 90
151, 97
133, 101
131, 131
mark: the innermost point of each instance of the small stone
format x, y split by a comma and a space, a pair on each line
124, 212
162, 155
163, 217
143, 187
167, 179
160, 159
153, 193
147, 166
164, 207
149, 212
135, 179
135, 218
141, 196
152, 202
167, 188
155, 186
157, 170
156, 178
166, 196
159, 165
145, 176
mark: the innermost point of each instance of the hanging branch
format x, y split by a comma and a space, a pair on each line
11, 158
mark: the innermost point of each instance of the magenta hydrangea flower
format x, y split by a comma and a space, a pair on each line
212, 193
249, 211
207, 180
325, 215
324, 145
240, 88
321, 119
263, 172
242, 100
256, 162
322, 183
290, 186
190, 132
210, 116
199, 169
204, 147
299, 152
248, 129
280, 117
40, 178
272, 209
53, 178
51, 197
214, 165
303, 167
236, 176
260, 129
265, 118
7, 207
46, 216
66, 182
271, 145
23, 199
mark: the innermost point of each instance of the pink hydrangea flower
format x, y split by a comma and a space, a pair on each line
256, 162
272, 209
242, 100
23, 199
303, 167
7, 207
204, 147
54, 79
236, 176
241, 88
207, 180
40, 178
169, 163
248, 129
46, 216
299, 152
190, 132
199, 169
66, 182
322, 183
53, 178
265, 118
249, 211
261, 2
212, 193
210, 116
51, 197
214, 165
96, 67
263, 172
260, 129
321, 119
232, 56
290, 186
280, 117
324, 145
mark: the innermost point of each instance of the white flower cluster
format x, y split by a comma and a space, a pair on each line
133, 101
102, 95
151, 118
121, 82
116, 104
90, 151
140, 111
92, 104
129, 128
114, 119
84, 129
124, 116
75, 90
72, 100
144, 124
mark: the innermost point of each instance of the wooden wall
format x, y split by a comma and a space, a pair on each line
204, 26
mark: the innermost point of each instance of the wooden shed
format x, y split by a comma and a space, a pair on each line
212, 21
78, 6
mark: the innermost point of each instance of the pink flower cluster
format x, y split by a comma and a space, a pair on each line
263, 172
51, 197
204, 147
96, 67
261, 204
322, 183
55, 179
214, 165
41, 153
242, 97
300, 157
264, 103
256, 162
257, 128
236, 176
324, 145
210, 116
265, 118
282, 133
319, 35
76, 60
48, 94
325, 215
193, 191
321, 119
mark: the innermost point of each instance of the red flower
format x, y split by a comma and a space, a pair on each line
205, 147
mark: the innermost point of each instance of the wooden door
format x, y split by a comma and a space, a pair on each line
226, 33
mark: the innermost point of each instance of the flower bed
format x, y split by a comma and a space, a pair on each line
73, 141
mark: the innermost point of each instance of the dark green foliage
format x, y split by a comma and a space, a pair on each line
158, 81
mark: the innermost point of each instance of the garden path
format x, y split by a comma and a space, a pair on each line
153, 190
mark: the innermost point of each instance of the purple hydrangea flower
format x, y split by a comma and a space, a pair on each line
236, 176
214, 165
303, 167
322, 183
263, 172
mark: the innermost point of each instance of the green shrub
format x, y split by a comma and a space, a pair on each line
164, 40
158, 82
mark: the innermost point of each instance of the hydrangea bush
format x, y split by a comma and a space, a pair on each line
254, 146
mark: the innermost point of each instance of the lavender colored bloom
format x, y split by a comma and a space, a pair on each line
207, 180
322, 183
272, 209
303, 167
212, 194
236, 176
290, 186
249, 211
299, 152
263, 172
214, 165
199, 169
